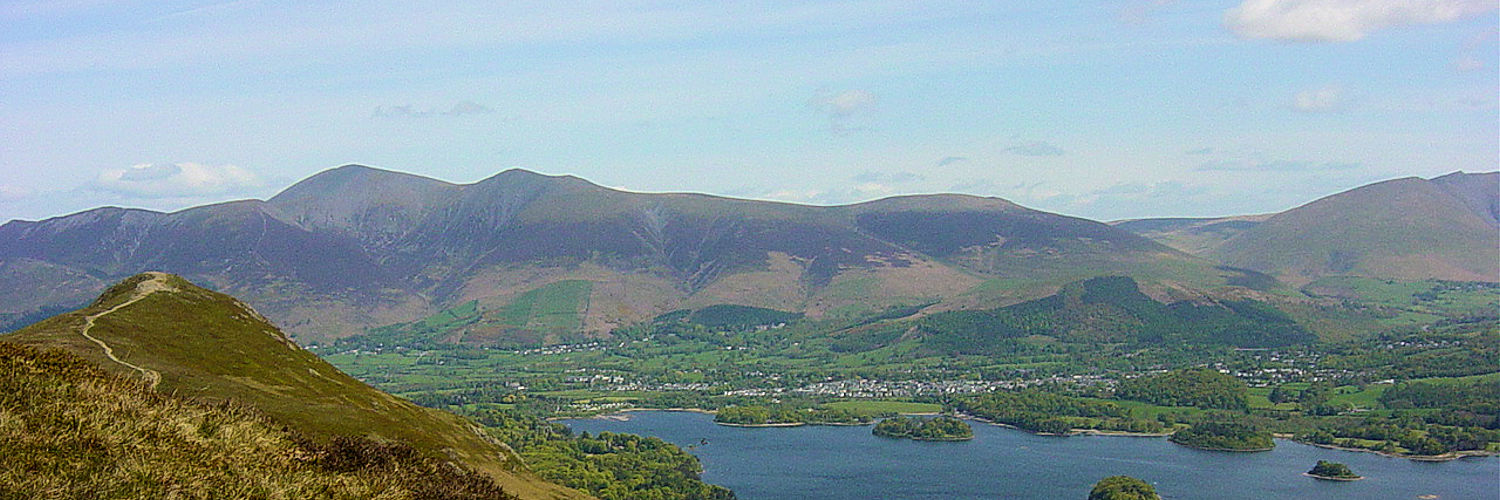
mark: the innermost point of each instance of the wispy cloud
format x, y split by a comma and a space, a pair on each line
10, 193
1467, 63
886, 177
1036, 148
1140, 11
950, 160
844, 108
177, 180
1342, 20
1319, 100
408, 111
1275, 166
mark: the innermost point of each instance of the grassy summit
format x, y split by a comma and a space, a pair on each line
210, 347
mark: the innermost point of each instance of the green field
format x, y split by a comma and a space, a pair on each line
555, 307
1422, 297
880, 407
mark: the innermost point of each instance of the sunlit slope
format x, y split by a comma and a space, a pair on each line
355, 247
72, 430
209, 346
1405, 229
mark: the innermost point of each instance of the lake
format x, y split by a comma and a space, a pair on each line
850, 463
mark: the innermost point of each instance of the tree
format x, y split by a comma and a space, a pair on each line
1123, 488
1332, 470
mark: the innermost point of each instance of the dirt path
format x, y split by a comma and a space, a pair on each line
158, 283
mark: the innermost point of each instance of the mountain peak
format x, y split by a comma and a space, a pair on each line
523, 177
939, 202
354, 177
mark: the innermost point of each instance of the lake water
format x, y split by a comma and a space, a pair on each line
850, 463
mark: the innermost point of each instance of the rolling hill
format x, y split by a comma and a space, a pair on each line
552, 258
192, 343
1192, 235
1108, 309
1411, 228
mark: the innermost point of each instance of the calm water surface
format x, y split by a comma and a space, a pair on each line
850, 463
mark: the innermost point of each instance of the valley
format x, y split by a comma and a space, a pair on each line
964, 307
1324, 392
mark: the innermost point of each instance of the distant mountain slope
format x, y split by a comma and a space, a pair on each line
1408, 228
192, 342
1192, 235
72, 430
356, 247
1108, 309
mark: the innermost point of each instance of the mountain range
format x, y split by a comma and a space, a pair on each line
551, 258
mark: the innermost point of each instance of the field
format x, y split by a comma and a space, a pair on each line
555, 307
881, 407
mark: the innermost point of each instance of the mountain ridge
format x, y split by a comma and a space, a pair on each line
1407, 228
356, 247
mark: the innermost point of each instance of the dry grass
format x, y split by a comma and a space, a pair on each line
70, 430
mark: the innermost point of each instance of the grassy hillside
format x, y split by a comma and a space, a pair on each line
69, 429
1404, 229
1194, 236
1093, 311
211, 347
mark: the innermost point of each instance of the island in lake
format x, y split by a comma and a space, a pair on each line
785, 416
1123, 488
1224, 436
1332, 471
925, 429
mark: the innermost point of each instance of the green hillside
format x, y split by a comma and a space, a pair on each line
199, 344
1409, 229
1109, 309
73, 430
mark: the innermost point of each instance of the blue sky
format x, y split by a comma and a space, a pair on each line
1099, 109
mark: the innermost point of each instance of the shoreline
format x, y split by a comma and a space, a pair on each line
1447, 457
617, 414
1232, 450
783, 424
1071, 432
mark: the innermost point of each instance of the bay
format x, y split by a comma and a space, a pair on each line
834, 462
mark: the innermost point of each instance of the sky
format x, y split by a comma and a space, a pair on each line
1105, 109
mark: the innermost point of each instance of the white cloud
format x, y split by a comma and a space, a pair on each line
408, 111
843, 108
1232, 165
861, 191
177, 180
1319, 100
1341, 20
887, 177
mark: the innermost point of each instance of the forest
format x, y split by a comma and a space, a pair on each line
1225, 436
924, 429
1198, 387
